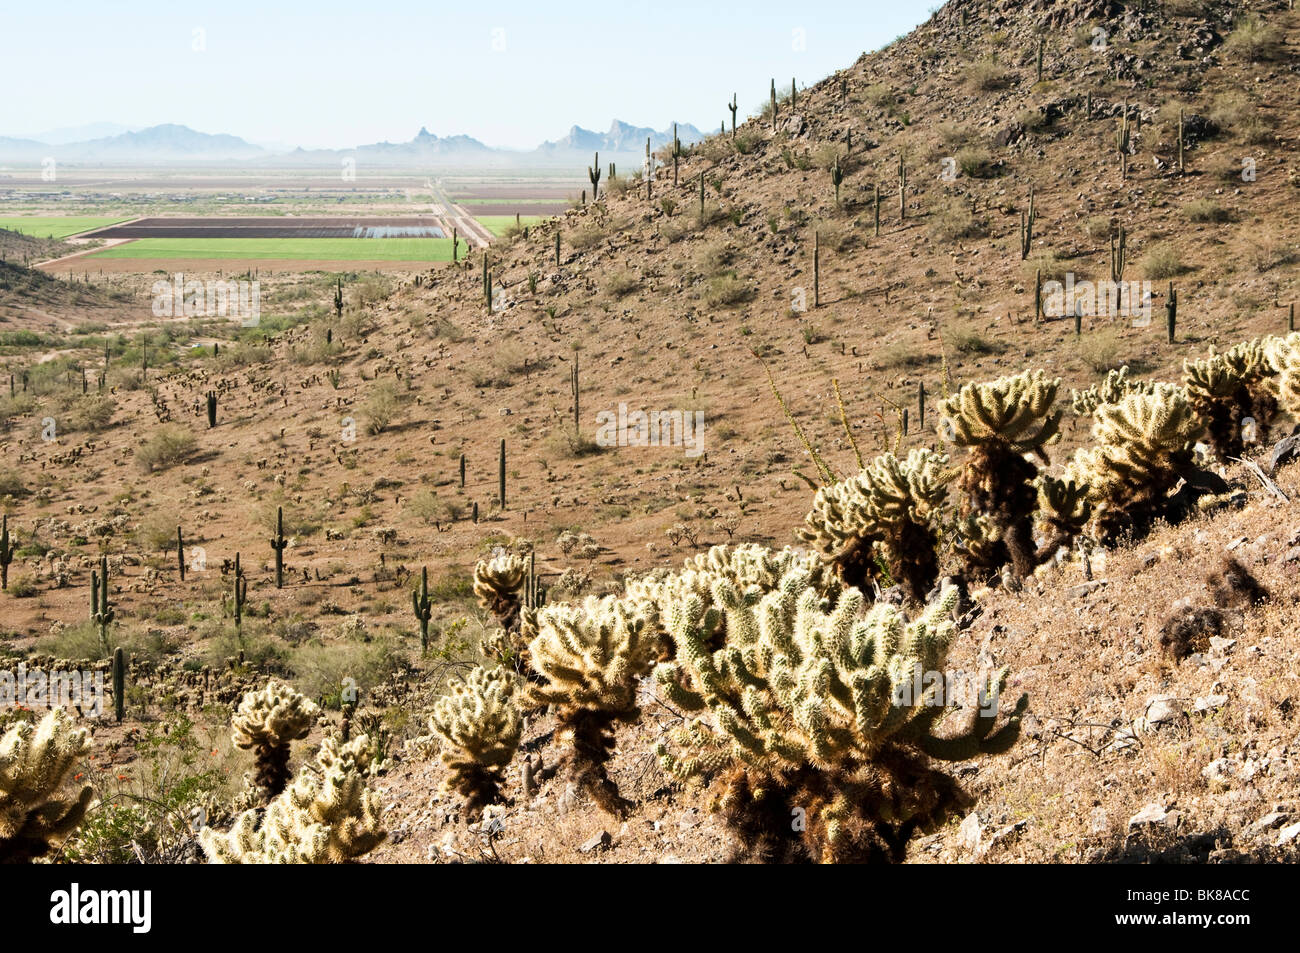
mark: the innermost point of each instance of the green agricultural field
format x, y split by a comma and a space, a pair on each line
285, 249
497, 224
55, 226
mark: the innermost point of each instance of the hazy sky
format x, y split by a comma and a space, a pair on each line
331, 74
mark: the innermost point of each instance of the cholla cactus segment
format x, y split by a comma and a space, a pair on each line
589, 658
1144, 448
1014, 410
591, 654
479, 726
34, 763
823, 706
1143, 436
1114, 388
497, 584
802, 684
267, 722
274, 716
749, 566
1064, 506
892, 505
327, 816
1283, 355
1233, 394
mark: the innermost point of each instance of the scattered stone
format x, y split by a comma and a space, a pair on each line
599, 842
1287, 834
1153, 814
970, 832
1209, 703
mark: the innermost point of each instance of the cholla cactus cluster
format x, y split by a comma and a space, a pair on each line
327, 816
1001, 422
498, 583
479, 726
821, 707
1284, 359
750, 567
1225, 390
34, 763
1114, 388
267, 722
1144, 447
590, 657
888, 514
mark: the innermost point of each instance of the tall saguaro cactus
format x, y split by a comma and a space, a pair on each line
278, 543
180, 552
101, 610
212, 409
733, 106
119, 684
501, 474
239, 592
1027, 227
423, 607
6, 553
593, 173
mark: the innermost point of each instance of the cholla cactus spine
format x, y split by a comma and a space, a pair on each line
497, 584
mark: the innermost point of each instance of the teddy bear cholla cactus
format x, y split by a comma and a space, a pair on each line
479, 726
1002, 421
749, 566
1284, 358
888, 512
1226, 389
589, 657
1144, 448
34, 762
817, 708
497, 584
1114, 388
267, 722
327, 816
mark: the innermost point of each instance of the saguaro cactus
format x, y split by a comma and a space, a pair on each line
676, 153
180, 553
1118, 254
212, 409
423, 607
6, 552
338, 299
774, 104
593, 173
733, 106
239, 593
1123, 141
278, 543
1171, 312
119, 684
101, 610
501, 475
1027, 227
837, 177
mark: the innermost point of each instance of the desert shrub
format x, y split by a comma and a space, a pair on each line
587, 237
1205, 211
1237, 113
1098, 228
168, 446
620, 284
953, 220
987, 76
1255, 40
429, 508
89, 414
975, 162
380, 407
319, 670
1162, 262
727, 291
157, 530
23, 587
12, 483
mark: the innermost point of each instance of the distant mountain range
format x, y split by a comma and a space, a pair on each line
176, 143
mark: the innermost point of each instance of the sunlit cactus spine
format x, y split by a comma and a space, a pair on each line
35, 761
